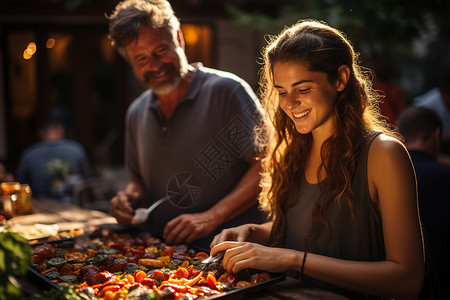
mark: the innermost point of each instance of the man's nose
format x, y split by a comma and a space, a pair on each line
153, 64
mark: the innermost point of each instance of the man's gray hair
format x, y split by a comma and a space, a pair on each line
129, 15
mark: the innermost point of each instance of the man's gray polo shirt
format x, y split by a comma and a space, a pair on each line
200, 153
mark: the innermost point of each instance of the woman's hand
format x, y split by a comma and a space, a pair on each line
237, 234
258, 233
242, 255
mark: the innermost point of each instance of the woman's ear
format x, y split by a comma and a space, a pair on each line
343, 76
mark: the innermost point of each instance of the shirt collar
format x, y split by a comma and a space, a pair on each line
192, 91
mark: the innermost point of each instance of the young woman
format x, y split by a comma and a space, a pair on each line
340, 187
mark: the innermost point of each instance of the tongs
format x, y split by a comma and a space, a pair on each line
215, 258
141, 214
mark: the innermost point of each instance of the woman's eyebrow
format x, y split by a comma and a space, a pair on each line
294, 84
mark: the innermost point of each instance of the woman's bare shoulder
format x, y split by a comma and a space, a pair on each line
385, 146
388, 160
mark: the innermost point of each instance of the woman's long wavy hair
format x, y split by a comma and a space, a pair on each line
320, 48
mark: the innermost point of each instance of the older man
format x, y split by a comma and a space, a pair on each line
189, 136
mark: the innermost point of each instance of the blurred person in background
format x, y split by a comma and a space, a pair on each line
392, 98
422, 129
53, 166
438, 99
189, 136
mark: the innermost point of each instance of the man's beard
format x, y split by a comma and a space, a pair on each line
166, 86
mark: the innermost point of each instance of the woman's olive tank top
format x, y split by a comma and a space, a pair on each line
358, 237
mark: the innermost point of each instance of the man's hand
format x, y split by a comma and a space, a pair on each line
122, 205
189, 227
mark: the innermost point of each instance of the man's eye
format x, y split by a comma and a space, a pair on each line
160, 50
302, 91
140, 58
282, 94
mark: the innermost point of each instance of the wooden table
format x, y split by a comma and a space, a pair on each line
68, 217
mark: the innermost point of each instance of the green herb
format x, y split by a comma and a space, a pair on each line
15, 256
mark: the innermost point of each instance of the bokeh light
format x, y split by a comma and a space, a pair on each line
30, 50
50, 43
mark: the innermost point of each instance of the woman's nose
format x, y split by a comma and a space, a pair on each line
292, 101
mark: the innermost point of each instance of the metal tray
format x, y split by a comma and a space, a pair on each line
252, 288
37, 276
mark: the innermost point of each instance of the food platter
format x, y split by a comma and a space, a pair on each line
38, 233
133, 264
34, 231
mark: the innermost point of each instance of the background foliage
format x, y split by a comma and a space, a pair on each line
412, 35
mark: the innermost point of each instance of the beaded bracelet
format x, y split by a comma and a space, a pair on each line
302, 268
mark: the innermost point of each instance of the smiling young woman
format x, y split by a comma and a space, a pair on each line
307, 97
338, 184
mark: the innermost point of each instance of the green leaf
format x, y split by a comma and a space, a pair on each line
8, 291
15, 254
2, 262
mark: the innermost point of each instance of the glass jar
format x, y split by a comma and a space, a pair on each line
20, 195
10, 187
10, 193
24, 203
7, 206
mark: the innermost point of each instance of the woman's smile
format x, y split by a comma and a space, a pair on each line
302, 114
307, 97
